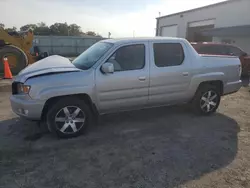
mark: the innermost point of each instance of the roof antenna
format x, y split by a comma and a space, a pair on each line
159, 14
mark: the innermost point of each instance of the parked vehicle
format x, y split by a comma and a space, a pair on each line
224, 49
122, 74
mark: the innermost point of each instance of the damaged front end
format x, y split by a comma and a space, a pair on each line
50, 65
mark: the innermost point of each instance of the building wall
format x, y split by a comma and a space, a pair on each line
64, 45
231, 13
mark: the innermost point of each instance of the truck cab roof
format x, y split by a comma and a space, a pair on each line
143, 39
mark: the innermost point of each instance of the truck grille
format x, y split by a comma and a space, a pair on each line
15, 88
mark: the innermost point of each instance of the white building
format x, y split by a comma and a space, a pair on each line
227, 21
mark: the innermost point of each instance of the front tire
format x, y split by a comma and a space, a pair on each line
69, 117
206, 100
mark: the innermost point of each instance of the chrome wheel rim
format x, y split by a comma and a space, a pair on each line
209, 101
70, 119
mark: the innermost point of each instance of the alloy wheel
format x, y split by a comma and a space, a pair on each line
209, 101
70, 119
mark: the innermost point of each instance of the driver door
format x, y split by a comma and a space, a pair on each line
128, 87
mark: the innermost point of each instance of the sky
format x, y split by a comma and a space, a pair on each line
123, 18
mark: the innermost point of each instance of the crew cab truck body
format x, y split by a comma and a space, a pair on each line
122, 74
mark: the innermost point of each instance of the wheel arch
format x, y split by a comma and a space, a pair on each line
82, 96
214, 78
217, 83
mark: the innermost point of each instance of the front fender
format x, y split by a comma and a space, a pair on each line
46, 87
50, 92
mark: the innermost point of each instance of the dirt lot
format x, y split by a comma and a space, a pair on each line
163, 147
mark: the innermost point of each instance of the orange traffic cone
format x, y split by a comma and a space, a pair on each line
7, 72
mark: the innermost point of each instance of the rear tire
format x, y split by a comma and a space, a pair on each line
69, 117
206, 100
19, 58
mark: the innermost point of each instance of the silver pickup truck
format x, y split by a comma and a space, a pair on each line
122, 74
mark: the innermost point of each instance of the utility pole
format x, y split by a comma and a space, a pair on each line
68, 30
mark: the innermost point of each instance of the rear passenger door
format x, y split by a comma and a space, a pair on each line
169, 73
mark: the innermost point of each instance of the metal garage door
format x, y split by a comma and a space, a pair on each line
169, 31
201, 23
194, 31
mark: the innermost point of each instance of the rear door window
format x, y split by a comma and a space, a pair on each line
168, 54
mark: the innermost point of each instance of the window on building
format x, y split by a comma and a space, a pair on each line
168, 54
131, 57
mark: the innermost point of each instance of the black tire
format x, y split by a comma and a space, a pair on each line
21, 58
56, 111
198, 102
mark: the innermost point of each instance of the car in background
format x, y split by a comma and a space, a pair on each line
224, 49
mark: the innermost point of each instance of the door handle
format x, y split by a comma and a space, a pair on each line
142, 78
185, 73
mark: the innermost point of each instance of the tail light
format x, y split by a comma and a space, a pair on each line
240, 70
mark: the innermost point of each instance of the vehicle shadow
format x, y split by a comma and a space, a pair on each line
170, 146
18, 128
160, 147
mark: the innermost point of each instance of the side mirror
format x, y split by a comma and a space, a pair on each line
107, 68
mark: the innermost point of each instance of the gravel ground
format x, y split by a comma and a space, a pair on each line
162, 147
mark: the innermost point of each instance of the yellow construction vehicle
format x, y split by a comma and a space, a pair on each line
16, 47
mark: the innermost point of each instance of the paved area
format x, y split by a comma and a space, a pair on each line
5, 85
162, 147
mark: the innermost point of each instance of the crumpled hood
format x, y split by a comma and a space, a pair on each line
51, 64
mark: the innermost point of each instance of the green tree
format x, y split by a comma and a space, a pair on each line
91, 33
41, 24
28, 26
74, 30
42, 29
98, 35
2, 25
10, 29
61, 29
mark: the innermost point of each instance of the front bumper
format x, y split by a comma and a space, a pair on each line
25, 107
232, 87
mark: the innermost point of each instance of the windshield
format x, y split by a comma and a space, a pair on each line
90, 56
